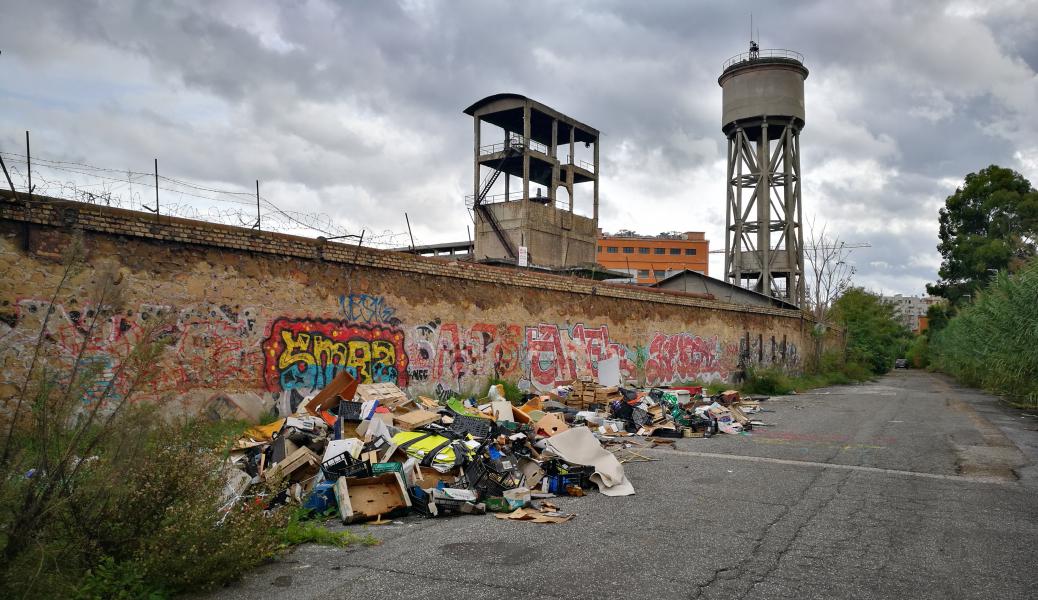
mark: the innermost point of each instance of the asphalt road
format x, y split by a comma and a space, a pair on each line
908, 487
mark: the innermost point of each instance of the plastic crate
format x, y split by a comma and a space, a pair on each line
446, 506
344, 465
350, 411
388, 467
557, 484
475, 426
421, 502
481, 477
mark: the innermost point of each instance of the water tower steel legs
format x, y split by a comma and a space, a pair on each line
769, 171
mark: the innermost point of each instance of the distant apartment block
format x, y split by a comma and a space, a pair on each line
650, 259
911, 310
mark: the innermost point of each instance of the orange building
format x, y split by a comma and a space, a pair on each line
652, 258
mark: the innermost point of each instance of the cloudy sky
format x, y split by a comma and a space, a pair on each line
353, 109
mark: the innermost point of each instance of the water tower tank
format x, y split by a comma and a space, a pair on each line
762, 116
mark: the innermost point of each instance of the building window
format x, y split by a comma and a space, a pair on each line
660, 250
690, 251
675, 251
643, 250
643, 273
659, 274
628, 250
600, 249
611, 250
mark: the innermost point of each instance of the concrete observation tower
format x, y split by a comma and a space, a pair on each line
538, 145
762, 116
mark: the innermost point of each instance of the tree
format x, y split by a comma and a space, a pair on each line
830, 272
937, 317
987, 225
875, 337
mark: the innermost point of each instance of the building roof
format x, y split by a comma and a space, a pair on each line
734, 290
510, 102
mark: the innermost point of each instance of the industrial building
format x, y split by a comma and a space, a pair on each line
698, 283
649, 259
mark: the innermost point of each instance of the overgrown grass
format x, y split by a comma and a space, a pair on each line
991, 343
303, 528
100, 497
832, 371
512, 392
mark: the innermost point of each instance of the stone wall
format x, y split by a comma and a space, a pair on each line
256, 317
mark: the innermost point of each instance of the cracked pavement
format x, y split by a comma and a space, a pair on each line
908, 487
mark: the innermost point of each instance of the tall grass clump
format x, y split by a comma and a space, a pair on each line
101, 497
991, 343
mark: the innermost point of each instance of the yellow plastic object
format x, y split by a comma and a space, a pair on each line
446, 458
262, 433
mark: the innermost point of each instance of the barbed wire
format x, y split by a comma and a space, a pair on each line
91, 184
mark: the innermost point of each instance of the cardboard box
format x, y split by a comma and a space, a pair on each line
370, 497
302, 464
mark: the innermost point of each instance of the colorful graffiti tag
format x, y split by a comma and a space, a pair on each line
213, 344
306, 354
685, 357
458, 356
559, 354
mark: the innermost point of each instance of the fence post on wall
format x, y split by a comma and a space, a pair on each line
258, 225
14, 194
156, 189
28, 163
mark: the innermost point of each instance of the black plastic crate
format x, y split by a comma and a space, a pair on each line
420, 502
350, 411
474, 426
344, 465
483, 477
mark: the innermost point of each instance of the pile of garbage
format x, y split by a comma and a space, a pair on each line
368, 452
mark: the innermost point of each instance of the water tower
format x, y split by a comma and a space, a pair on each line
762, 115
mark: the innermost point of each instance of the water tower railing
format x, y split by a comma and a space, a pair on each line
769, 53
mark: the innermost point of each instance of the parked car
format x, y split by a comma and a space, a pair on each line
901, 363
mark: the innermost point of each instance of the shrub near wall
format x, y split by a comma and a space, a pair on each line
991, 343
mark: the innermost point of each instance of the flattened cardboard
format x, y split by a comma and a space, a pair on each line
343, 386
368, 497
502, 410
535, 516
387, 394
415, 419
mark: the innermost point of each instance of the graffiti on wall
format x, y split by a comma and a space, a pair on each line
685, 357
455, 356
367, 309
214, 344
219, 347
306, 354
561, 354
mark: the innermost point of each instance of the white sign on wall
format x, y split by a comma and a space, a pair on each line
524, 256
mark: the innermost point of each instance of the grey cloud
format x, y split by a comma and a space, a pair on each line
354, 108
